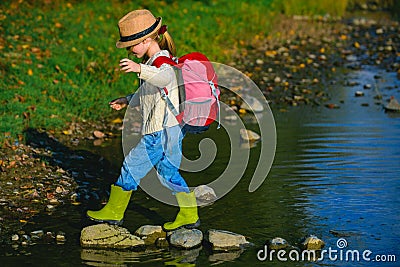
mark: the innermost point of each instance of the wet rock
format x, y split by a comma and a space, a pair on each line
341, 233
15, 237
48, 237
312, 243
251, 103
205, 195
393, 105
351, 58
231, 118
249, 135
277, 79
150, 233
359, 93
332, 106
379, 31
108, 236
186, 238
225, 240
162, 242
278, 243
50, 208
60, 238
36, 235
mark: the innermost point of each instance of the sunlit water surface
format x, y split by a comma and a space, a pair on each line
335, 175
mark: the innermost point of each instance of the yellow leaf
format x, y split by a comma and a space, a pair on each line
356, 45
30, 72
53, 99
67, 132
117, 120
74, 49
270, 53
343, 37
302, 65
90, 48
322, 50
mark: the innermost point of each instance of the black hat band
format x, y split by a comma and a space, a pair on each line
140, 34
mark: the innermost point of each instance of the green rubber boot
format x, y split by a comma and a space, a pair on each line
187, 216
113, 211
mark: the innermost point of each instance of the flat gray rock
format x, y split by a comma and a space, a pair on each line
186, 238
225, 240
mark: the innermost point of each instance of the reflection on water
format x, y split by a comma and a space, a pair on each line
346, 164
335, 174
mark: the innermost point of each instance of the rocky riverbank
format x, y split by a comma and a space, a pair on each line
299, 64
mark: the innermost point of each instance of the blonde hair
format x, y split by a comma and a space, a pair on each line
166, 42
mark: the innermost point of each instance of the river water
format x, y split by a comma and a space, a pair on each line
335, 175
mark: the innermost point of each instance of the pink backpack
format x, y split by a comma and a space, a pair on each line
198, 91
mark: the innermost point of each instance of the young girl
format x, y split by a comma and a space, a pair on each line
161, 143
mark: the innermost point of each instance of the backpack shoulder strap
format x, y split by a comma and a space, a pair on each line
164, 93
163, 59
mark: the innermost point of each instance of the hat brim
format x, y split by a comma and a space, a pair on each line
121, 44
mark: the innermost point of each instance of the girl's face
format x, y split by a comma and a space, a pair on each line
138, 50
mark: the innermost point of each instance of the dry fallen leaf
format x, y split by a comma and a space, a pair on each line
99, 134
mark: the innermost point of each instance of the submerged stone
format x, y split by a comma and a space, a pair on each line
278, 243
251, 103
312, 243
108, 236
249, 135
150, 233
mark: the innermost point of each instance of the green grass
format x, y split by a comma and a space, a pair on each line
58, 61
312, 7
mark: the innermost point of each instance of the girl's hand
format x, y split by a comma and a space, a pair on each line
118, 103
128, 65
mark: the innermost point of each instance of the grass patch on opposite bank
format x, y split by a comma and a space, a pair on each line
58, 61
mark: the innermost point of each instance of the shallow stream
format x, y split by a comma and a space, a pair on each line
335, 175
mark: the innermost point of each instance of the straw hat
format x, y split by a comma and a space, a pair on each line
136, 26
